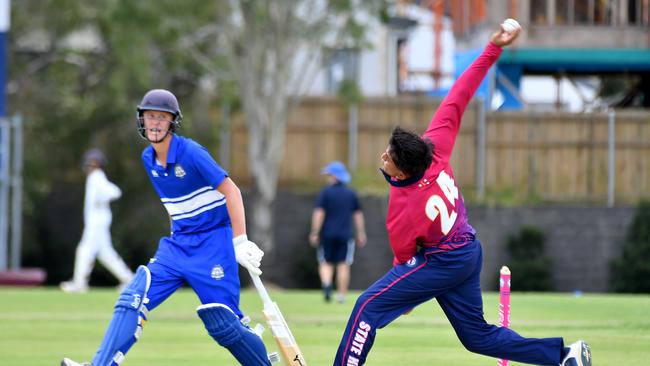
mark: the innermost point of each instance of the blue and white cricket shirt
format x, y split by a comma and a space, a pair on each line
187, 186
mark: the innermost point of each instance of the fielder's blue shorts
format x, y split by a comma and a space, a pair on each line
453, 278
335, 250
205, 261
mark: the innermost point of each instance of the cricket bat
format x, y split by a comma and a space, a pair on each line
289, 349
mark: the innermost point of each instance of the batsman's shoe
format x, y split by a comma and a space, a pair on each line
69, 362
579, 355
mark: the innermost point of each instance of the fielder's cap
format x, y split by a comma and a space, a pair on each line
338, 171
95, 155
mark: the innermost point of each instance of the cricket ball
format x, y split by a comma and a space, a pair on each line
510, 25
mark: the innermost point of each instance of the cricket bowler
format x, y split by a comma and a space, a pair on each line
207, 240
437, 253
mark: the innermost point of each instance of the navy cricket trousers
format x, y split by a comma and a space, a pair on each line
453, 278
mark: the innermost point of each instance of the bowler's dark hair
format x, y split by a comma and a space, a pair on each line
411, 153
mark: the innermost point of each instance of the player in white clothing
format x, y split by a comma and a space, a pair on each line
96, 238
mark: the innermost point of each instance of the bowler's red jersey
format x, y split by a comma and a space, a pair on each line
429, 211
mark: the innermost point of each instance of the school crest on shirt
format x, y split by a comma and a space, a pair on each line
179, 172
412, 262
217, 272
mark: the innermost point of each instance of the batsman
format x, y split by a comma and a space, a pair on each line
437, 253
207, 240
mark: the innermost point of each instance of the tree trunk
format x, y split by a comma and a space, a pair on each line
263, 40
266, 121
262, 222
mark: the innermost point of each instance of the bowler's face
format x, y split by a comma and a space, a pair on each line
388, 165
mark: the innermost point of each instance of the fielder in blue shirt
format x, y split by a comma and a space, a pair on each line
331, 232
207, 240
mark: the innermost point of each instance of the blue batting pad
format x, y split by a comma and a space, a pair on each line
224, 326
128, 319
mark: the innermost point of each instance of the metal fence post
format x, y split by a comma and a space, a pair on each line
611, 158
480, 151
5, 130
17, 193
353, 133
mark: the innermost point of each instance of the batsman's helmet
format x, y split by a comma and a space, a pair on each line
159, 100
93, 155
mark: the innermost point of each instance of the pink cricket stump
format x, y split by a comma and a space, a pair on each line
504, 303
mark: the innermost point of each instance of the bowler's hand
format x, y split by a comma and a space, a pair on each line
502, 38
248, 254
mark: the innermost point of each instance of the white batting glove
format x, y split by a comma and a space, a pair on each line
248, 254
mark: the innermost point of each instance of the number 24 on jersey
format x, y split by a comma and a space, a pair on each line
436, 205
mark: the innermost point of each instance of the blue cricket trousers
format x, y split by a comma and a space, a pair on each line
206, 261
453, 278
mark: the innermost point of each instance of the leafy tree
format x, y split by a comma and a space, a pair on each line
76, 72
272, 48
78, 69
631, 273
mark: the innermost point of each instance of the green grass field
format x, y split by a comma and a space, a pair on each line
40, 326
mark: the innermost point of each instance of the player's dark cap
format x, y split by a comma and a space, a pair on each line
94, 155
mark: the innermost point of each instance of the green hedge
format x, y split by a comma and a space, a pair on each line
530, 267
631, 272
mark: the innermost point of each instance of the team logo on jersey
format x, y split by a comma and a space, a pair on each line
154, 173
217, 272
179, 172
412, 262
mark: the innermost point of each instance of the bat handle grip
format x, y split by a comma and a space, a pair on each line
261, 290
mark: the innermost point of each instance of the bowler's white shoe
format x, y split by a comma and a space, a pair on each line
69, 362
70, 286
579, 355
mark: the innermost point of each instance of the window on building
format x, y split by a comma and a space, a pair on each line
590, 12
603, 12
563, 13
538, 12
341, 65
402, 66
596, 12
581, 12
638, 12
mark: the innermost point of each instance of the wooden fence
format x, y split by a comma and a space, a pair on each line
558, 157
564, 157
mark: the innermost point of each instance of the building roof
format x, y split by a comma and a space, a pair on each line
576, 60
